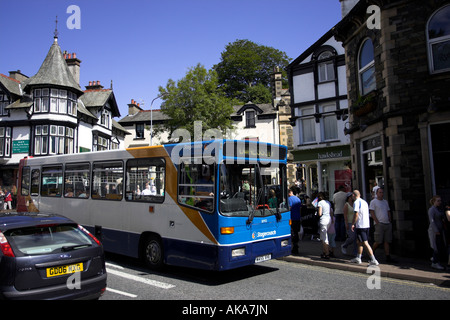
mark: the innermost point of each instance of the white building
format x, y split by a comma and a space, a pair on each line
49, 114
319, 110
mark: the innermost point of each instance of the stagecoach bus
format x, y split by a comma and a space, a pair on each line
213, 205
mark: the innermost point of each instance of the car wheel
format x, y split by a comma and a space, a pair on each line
153, 253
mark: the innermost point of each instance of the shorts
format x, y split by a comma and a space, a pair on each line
383, 233
362, 234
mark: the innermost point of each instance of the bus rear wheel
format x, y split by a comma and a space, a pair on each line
153, 253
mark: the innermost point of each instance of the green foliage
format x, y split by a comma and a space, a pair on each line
196, 97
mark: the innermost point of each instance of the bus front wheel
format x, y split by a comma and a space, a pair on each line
153, 253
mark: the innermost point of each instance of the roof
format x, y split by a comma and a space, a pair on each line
144, 116
98, 98
10, 84
54, 71
262, 108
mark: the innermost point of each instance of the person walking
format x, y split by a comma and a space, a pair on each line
381, 215
324, 212
361, 223
435, 231
8, 199
348, 216
339, 199
295, 206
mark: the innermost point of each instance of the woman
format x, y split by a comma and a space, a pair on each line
325, 212
436, 231
348, 216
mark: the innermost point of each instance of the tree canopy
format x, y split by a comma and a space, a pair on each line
244, 65
196, 97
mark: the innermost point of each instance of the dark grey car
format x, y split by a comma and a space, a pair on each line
47, 256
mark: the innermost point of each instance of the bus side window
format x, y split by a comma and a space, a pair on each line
146, 180
107, 180
52, 179
25, 181
35, 181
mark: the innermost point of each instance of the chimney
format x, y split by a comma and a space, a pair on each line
94, 85
74, 65
347, 6
17, 75
133, 108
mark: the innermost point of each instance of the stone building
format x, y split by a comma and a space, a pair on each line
398, 78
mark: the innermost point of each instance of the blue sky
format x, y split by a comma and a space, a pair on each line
140, 44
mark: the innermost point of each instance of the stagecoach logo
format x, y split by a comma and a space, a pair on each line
262, 235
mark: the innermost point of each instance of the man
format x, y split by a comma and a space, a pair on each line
295, 205
339, 199
361, 225
381, 215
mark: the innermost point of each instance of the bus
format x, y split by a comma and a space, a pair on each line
213, 205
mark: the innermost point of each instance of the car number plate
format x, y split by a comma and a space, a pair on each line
61, 270
263, 258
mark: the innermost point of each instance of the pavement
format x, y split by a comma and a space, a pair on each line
410, 269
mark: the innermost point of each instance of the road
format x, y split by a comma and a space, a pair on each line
128, 279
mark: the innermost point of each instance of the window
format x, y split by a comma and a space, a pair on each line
196, 185
35, 181
146, 180
107, 180
5, 141
329, 123
52, 179
308, 126
250, 117
53, 139
104, 118
58, 101
41, 140
139, 130
438, 33
366, 68
4, 102
326, 69
100, 143
77, 180
25, 191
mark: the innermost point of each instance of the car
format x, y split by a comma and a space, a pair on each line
49, 257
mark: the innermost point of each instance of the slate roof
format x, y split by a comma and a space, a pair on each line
10, 84
98, 98
54, 71
144, 116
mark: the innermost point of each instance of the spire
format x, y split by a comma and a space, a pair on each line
56, 29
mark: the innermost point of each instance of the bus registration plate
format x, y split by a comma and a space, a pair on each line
263, 258
61, 270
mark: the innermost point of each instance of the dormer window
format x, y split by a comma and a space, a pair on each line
250, 119
105, 118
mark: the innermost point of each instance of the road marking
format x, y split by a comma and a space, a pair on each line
108, 264
122, 293
150, 282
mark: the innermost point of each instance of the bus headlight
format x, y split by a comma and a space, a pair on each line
238, 252
284, 243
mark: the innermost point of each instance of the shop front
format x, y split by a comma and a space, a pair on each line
325, 169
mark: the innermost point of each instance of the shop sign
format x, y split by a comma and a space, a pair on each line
329, 155
21, 146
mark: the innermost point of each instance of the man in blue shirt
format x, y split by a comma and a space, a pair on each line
295, 205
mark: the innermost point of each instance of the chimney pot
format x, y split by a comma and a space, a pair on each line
74, 55
90, 83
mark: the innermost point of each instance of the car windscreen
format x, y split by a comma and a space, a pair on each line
47, 239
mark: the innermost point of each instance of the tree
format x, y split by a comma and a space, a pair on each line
245, 64
196, 97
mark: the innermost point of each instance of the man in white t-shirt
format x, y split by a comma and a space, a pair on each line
361, 225
381, 215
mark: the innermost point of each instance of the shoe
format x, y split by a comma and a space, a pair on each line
344, 250
356, 260
324, 256
373, 262
437, 266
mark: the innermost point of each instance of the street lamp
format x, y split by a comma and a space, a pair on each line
151, 115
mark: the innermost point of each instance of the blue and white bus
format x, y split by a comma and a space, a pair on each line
212, 205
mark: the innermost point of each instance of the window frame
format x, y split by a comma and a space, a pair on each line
436, 40
364, 69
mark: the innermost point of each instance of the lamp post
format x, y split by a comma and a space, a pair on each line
151, 115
